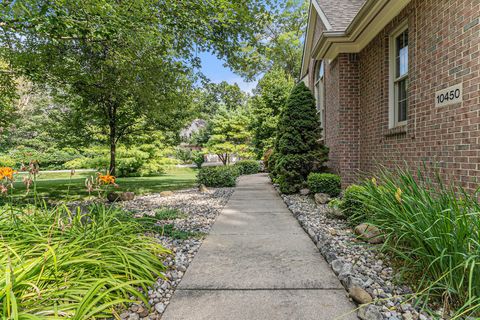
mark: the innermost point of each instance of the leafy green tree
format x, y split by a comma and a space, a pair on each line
298, 150
215, 96
269, 99
281, 42
121, 63
230, 136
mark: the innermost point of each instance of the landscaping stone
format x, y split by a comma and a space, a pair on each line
202, 188
321, 198
359, 295
127, 196
367, 268
113, 196
304, 192
369, 232
199, 212
166, 193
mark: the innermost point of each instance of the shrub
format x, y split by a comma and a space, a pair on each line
198, 157
298, 150
324, 183
435, 229
222, 176
248, 166
353, 204
59, 264
266, 157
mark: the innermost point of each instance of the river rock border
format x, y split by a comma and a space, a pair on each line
361, 268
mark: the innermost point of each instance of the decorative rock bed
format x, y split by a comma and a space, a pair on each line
360, 267
200, 210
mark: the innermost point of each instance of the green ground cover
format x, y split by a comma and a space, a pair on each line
61, 186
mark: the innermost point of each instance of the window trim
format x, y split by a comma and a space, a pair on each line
319, 87
392, 112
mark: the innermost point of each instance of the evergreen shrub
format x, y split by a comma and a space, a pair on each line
298, 150
324, 183
248, 166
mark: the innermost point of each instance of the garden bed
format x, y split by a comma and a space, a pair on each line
191, 217
355, 262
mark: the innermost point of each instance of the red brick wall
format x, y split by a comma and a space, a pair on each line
444, 50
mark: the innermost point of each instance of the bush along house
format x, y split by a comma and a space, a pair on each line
396, 82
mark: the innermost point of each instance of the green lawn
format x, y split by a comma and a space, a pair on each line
59, 185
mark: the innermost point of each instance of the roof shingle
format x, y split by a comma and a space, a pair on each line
340, 12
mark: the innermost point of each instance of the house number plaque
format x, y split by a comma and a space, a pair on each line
448, 96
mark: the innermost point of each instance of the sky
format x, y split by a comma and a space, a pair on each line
216, 72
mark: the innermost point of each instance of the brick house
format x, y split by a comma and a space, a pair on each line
397, 81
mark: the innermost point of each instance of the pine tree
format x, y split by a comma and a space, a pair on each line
298, 150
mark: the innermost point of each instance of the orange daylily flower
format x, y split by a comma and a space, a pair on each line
106, 179
7, 172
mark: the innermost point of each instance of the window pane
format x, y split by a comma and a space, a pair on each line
401, 100
401, 54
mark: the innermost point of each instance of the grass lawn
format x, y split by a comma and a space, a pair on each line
59, 185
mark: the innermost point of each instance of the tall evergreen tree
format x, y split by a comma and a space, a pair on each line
298, 149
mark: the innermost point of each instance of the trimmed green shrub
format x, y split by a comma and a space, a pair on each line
324, 183
353, 204
216, 177
298, 150
248, 166
198, 157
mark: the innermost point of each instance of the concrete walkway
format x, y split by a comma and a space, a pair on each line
258, 263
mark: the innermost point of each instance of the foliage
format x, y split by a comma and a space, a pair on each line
223, 176
198, 157
270, 97
230, 136
248, 166
434, 229
144, 160
266, 158
298, 150
183, 154
167, 214
324, 183
281, 42
353, 204
123, 67
217, 96
73, 265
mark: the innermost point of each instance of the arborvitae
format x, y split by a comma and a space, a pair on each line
298, 150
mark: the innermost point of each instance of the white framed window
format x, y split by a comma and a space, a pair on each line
398, 87
320, 93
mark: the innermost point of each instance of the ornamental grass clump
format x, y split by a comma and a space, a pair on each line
434, 229
59, 264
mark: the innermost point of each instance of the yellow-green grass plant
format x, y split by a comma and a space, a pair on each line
434, 229
58, 264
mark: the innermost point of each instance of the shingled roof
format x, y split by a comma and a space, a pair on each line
340, 13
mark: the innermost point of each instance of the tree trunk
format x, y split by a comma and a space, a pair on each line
113, 139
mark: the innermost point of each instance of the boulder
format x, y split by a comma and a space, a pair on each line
113, 196
202, 188
369, 233
304, 192
359, 295
166, 193
321, 198
127, 196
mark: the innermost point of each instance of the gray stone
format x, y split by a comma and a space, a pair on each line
337, 266
166, 193
321, 198
134, 316
359, 295
304, 192
160, 307
370, 312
